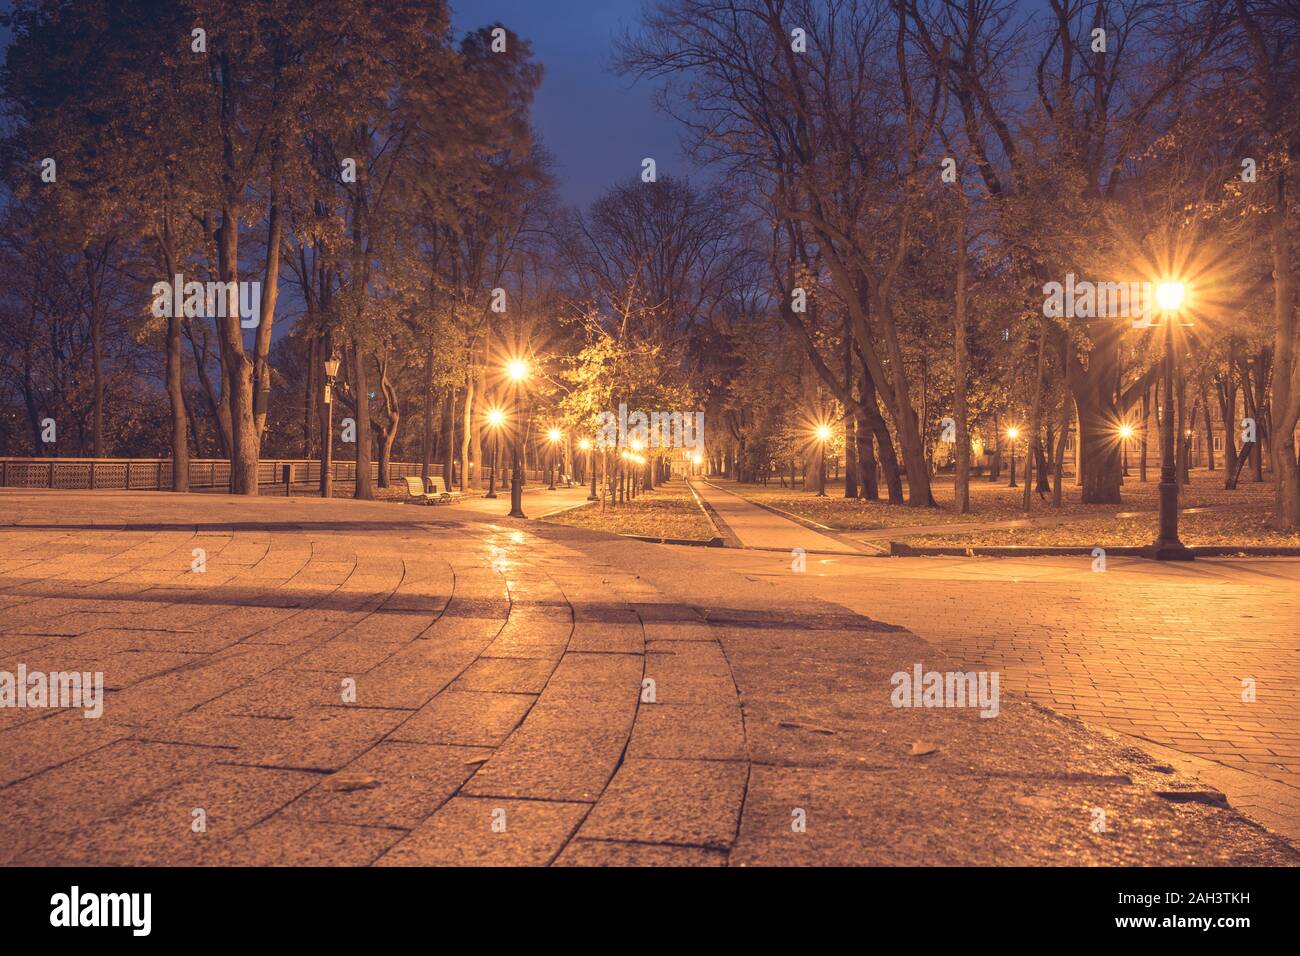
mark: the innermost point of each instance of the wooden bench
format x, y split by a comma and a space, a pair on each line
415, 492
438, 490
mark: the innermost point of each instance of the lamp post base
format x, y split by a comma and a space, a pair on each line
1173, 550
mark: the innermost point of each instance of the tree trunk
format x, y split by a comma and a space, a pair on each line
1286, 373
266, 316
235, 366
175, 381
97, 360
1252, 412
1034, 448
467, 476
1058, 477
1145, 427
1098, 411
1225, 388
1181, 443
363, 486
1263, 370
961, 362
218, 407
888, 460
850, 421
426, 442
868, 481
449, 434
392, 421
1209, 426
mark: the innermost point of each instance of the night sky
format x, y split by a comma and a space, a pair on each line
596, 123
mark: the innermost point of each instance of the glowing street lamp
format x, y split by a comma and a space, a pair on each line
1013, 433
1125, 433
1169, 296
823, 436
517, 371
697, 459
1167, 546
495, 417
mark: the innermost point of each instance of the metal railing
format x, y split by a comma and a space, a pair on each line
155, 474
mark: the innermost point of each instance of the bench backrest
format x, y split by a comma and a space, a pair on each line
413, 488
436, 485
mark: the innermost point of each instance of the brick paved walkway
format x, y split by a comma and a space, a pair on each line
755, 527
357, 683
1157, 651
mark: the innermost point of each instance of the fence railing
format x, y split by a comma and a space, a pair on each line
155, 474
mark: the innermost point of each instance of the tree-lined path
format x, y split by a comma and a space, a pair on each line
753, 527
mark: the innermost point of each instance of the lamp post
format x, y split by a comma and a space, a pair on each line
517, 372
586, 445
1013, 433
327, 440
823, 436
553, 438
1167, 546
1125, 433
634, 459
495, 418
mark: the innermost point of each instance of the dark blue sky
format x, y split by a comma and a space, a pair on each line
598, 124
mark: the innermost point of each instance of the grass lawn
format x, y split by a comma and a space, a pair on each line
1241, 526
994, 501
670, 511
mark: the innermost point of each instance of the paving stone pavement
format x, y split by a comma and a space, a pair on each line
355, 683
1164, 652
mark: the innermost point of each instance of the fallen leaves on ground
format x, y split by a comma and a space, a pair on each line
345, 782
670, 511
1248, 527
993, 501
